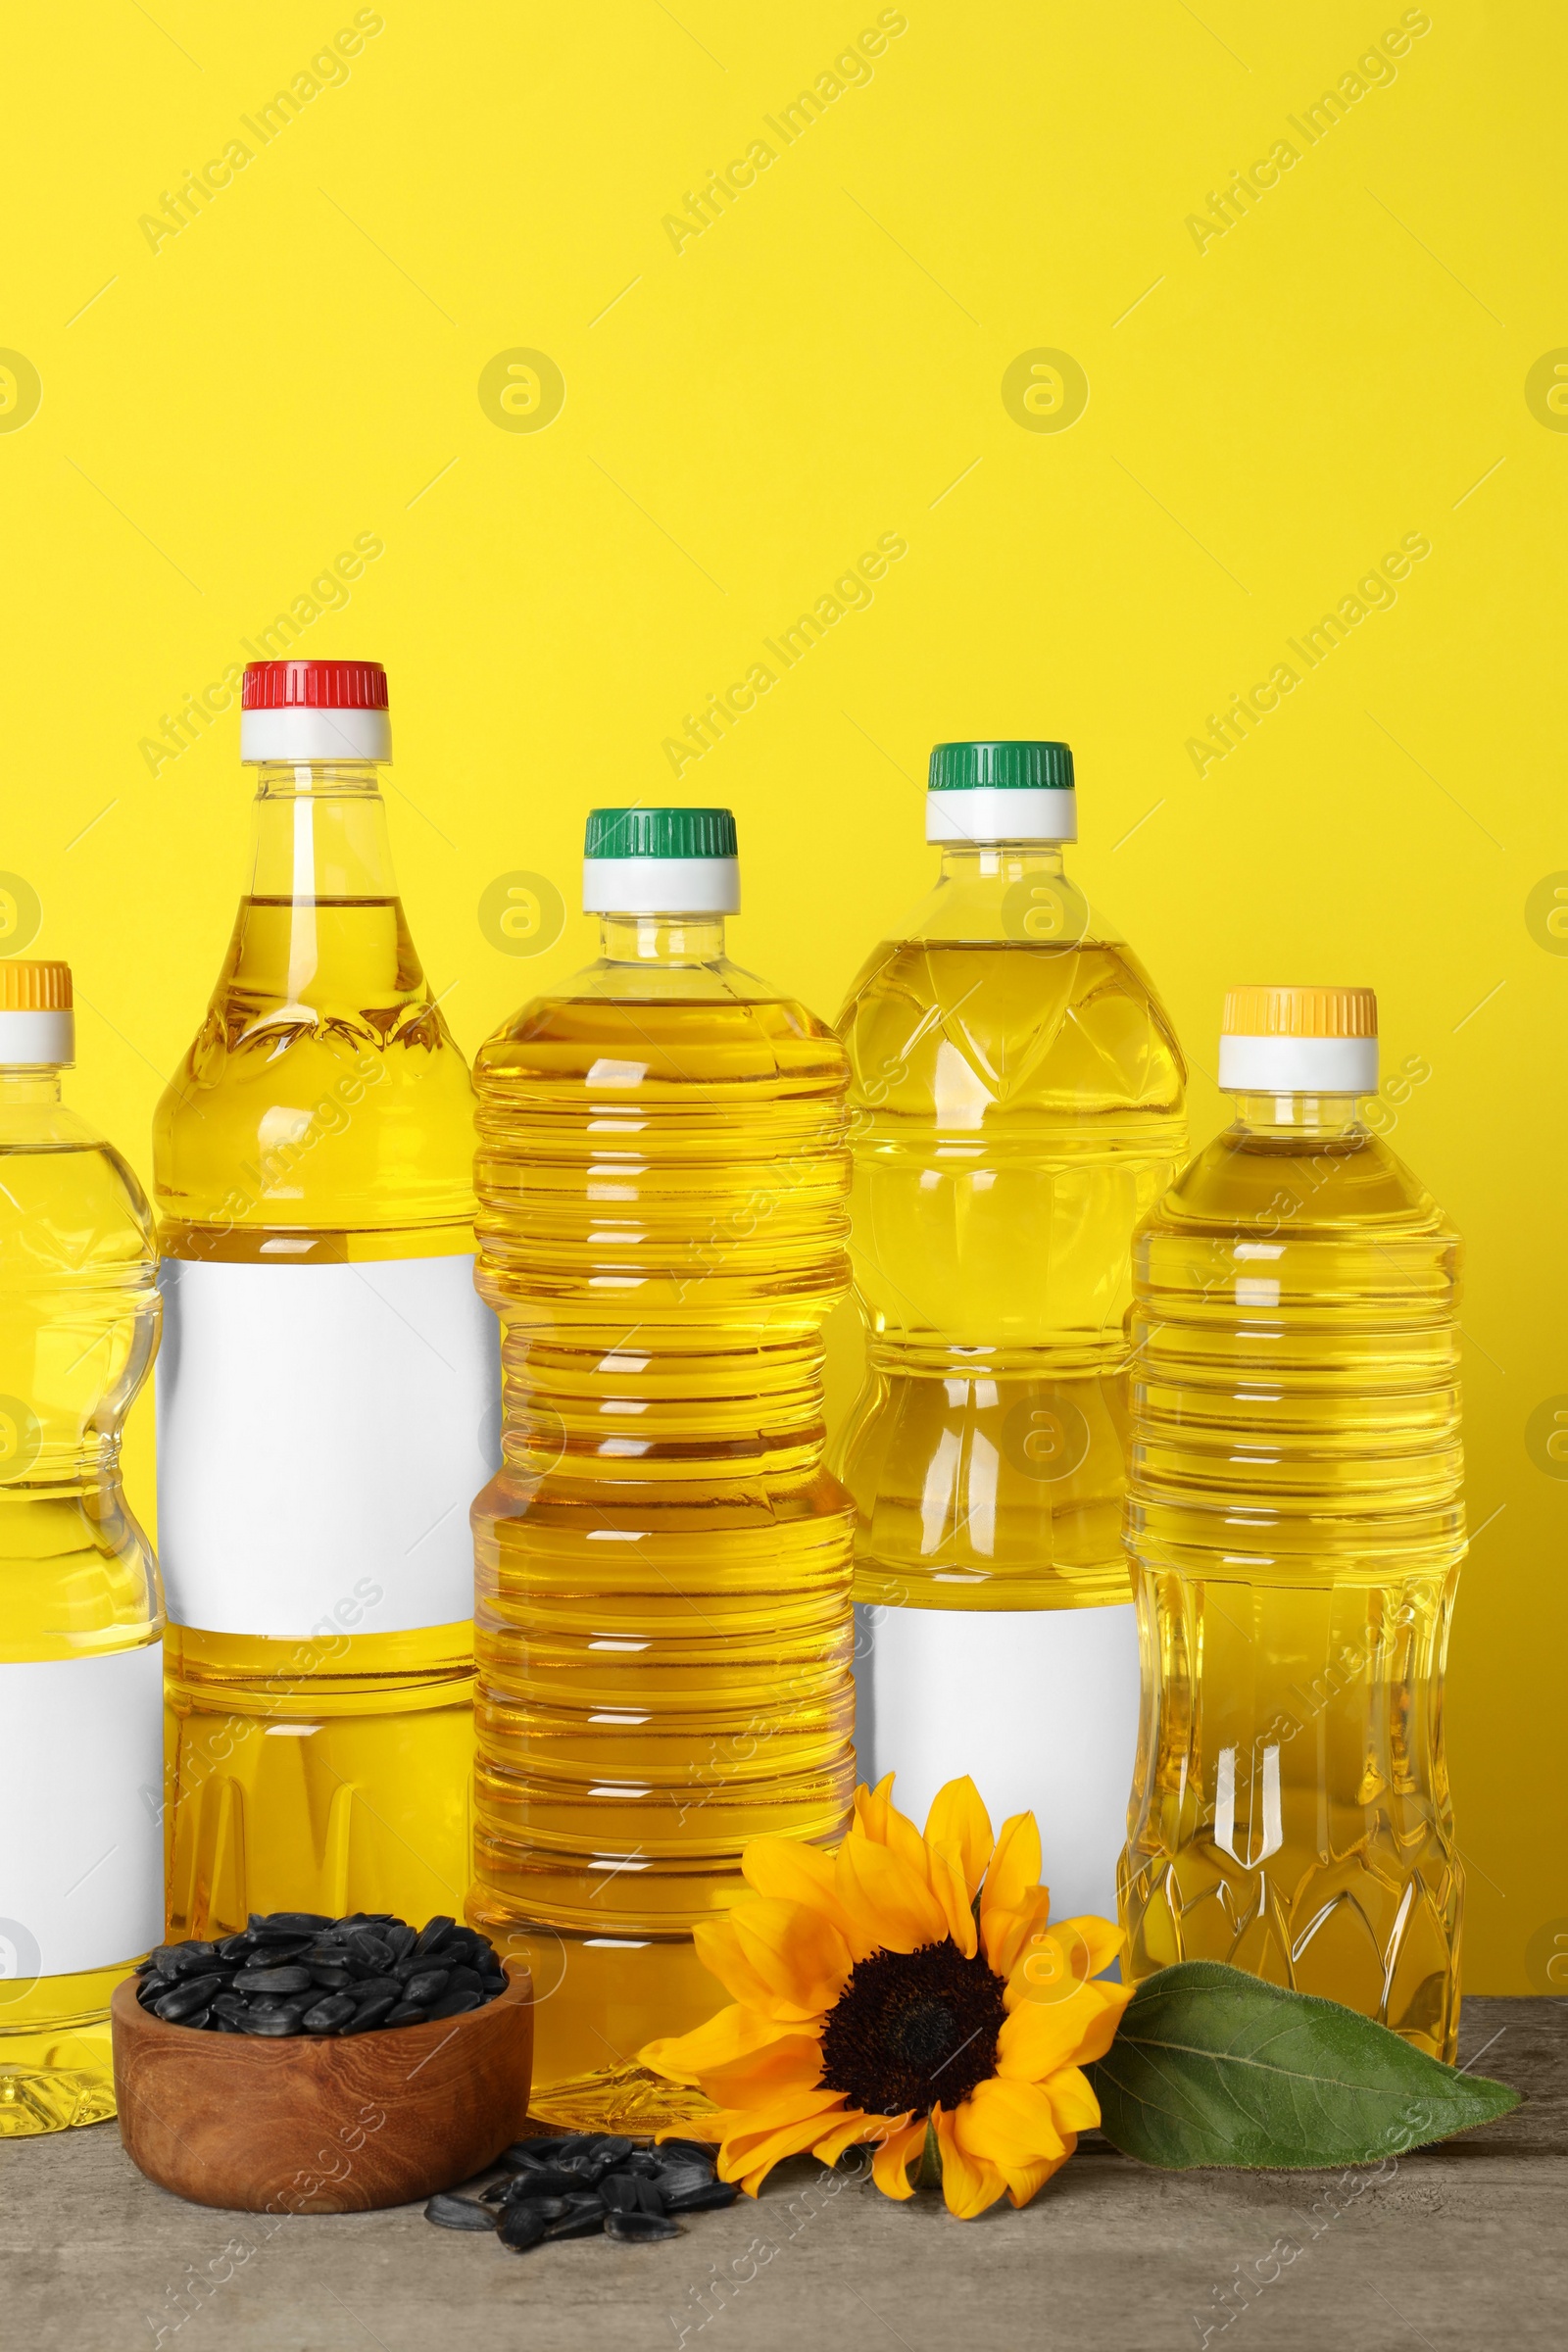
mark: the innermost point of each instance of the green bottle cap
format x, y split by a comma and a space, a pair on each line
660, 833
1001, 768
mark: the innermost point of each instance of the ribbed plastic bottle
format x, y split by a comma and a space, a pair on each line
81, 1616
1017, 1105
328, 1385
1296, 1517
663, 1587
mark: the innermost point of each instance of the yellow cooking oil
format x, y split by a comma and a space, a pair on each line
81, 1609
1018, 1104
663, 1563
1296, 1521
327, 1391
1018, 1108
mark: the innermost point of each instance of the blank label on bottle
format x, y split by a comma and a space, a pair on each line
1038, 1706
81, 1830
322, 1432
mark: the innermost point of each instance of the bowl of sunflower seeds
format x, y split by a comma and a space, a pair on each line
315, 2065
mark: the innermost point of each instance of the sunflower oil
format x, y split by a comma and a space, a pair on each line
81, 1615
328, 1388
1017, 1105
662, 1588
1296, 1520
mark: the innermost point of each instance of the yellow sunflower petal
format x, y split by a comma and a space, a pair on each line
752, 2158
1014, 1932
1072, 2101
733, 2033
970, 2183
799, 1954
721, 1952
891, 2170
959, 1819
792, 1870
1028, 2180
854, 2127
878, 1818
795, 2063
1100, 1938
746, 2127
1039, 2037
1011, 1880
1009, 2124
949, 1886
888, 1905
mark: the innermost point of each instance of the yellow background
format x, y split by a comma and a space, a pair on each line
1267, 416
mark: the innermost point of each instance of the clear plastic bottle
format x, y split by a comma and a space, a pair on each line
1017, 1105
1295, 1518
663, 1587
328, 1385
81, 1616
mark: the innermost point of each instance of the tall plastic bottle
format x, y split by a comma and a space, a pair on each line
663, 1588
81, 1616
1017, 1100
327, 1391
1296, 1521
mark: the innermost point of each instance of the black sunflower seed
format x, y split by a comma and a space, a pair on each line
631, 2192
588, 2221
459, 2213
520, 2227
272, 1980
406, 2013
329, 2015
637, 2229
454, 2004
196, 1993
547, 2180
372, 2015
700, 2196
689, 2151
425, 1985
272, 2023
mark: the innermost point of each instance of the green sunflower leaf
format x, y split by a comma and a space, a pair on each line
1210, 2066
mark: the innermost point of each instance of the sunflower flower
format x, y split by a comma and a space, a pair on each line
907, 1991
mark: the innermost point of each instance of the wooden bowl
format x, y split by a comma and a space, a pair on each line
316, 2125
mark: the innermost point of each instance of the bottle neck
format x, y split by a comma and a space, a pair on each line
1300, 1114
1001, 861
669, 940
24, 1085
320, 832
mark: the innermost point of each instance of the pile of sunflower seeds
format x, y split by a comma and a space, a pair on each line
586, 2185
299, 1971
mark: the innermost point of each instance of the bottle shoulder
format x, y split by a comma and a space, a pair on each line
69, 1199
972, 1028
683, 1028
1245, 1181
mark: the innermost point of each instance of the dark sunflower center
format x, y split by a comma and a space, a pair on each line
911, 2029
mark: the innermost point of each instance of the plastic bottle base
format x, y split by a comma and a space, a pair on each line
38, 2100
619, 2098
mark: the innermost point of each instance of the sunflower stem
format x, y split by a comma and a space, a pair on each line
929, 2174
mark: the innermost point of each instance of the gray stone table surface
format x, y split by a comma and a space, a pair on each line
1463, 2245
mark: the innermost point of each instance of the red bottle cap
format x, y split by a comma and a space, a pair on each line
314, 710
315, 686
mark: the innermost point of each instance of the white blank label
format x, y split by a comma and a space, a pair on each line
322, 1432
1038, 1706
82, 1829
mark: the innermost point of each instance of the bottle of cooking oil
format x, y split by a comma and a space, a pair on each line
329, 1386
81, 1616
1296, 1521
1017, 1105
663, 1587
